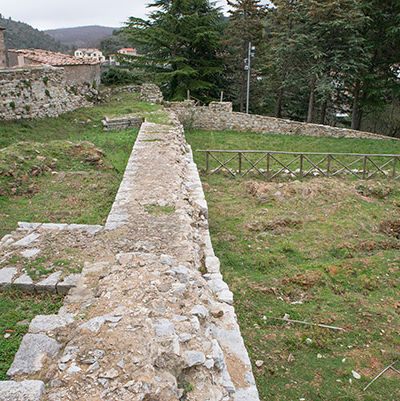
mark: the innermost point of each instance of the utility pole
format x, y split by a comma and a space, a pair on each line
247, 67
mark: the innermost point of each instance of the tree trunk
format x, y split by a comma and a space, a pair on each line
278, 107
355, 117
311, 101
323, 111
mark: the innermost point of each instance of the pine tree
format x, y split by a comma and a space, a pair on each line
180, 43
246, 24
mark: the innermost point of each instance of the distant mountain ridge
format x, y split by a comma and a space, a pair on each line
19, 35
81, 36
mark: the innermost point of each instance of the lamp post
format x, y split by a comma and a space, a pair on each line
247, 67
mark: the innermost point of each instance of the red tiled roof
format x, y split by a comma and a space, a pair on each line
51, 58
128, 49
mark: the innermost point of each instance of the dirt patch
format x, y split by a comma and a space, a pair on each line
376, 190
390, 227
306, 280
20, 163
370, 246
280, 225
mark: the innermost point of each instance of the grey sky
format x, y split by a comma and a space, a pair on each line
49, 14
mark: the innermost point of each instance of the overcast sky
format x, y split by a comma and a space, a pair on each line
49, 14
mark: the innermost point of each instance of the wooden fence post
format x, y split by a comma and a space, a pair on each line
365, 167
268, 167
301, 166
240, 162
207, 161
394, 167
328, 167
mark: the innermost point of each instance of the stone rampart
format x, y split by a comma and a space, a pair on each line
219, 117
37, 92
151, 318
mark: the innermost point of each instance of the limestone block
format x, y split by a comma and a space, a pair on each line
26, 241
27, 390
200, 311
70, 281
29, 357
6, 276
24, 283
30, 253
164, 327
49, 284
28, 226
212, 264
45, 323
193, 358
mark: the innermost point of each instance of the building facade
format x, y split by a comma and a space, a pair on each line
90, 54
3, 54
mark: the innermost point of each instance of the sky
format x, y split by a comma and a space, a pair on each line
50, 14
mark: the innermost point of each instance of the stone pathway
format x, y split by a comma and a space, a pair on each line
151, 318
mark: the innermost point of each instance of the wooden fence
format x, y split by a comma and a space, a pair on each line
271, 164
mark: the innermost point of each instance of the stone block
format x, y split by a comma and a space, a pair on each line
27, 390
6, 276
70, 281
30, 253
24, 283
45, 323
29, 357
49, 284
26, 241
193, 358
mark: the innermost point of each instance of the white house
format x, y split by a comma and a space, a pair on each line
91, 54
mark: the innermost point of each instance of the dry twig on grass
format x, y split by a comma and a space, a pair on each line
380, 374
307, 323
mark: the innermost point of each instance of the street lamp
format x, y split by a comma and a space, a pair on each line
247, 67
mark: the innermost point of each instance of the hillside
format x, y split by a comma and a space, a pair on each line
19, 35
81, 36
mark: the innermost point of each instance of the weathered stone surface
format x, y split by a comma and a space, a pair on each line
193, 358
29, 357
26, 241
45, 323
24, 283
49, 284
164, 327
6, 276
30, 253
70, 281
27, 390
200, 311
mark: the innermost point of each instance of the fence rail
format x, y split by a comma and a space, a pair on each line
271, 164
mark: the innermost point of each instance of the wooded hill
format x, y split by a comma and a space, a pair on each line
81, 36
19, 35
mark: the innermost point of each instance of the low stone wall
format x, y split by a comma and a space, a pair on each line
124, 122
37, 92
151, 93
219, 117
151, 317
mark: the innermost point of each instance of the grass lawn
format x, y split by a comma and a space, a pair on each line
16, 311
48, 175
323, 251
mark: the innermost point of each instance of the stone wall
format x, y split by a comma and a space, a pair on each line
151, 93
151, 317
82, 74
37, 92
219, 117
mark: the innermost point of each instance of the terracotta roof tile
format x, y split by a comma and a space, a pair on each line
51, 58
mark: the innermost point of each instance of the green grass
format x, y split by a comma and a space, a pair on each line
16, 307
158, 210
233, 140
319, 251
52, 173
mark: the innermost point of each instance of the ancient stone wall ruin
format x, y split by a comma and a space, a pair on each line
151, 317
37, 92
219, 117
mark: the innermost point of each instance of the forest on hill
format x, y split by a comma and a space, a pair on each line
333, 62
19, 35
81, 36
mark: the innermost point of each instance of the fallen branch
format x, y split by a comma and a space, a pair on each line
379, 375
395, 370
307, 323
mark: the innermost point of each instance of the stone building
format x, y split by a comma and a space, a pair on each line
3, 59
78, 71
